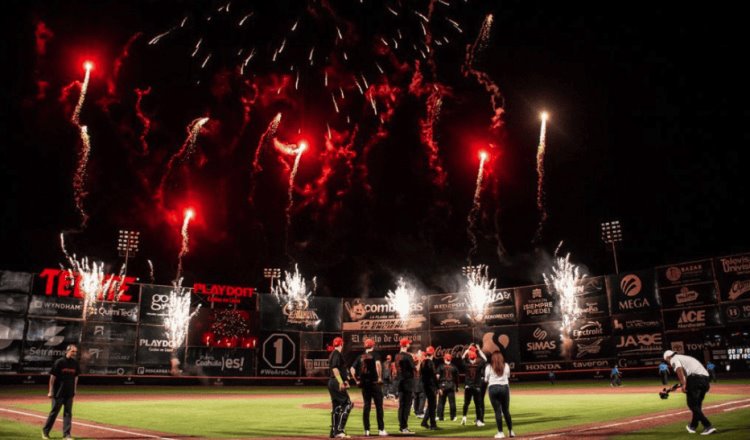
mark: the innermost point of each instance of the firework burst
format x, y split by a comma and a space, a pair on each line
480, 292
401, 300
292, 293
183, 153
564, 281
292, 175
79, 178
189, 214
88, 65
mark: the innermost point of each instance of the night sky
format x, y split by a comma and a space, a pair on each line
648, 125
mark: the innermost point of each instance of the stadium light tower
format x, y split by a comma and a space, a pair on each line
127, 244
272, 273
612, 234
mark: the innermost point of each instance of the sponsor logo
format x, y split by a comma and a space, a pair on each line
738, 289
46, 352
448, 303
641, 342
95, 352
542, 367
673, 273
736, 265
223, 293
589, 285
115, 312
591, 347
156, 343
52, 335
637, 303
630, 285
159, 302
590, 308
617, 324
591, 328
733, 312
536, 293
99, 330
298, 312
359, 310
449, 322
540, 334
37, 304
591, 364
316, 364
692, 318
65, 283
677, 347
686, 295
224, 363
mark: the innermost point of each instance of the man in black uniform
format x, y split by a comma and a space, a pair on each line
387, 379
419, 396
405, 375
368, 372
63, 382
337, 385
474, 370
447, 378
428, 376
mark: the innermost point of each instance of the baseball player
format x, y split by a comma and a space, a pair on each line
387, 377
368, 373
337, 385
474, 363
419, 396
428, 376
405, 374
694, 380
615, 377
664, 372
447, 378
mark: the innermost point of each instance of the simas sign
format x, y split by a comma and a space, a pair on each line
221, 293
632, 292
541, 342
65, 283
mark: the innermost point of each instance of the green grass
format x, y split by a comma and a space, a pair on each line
730, 425
237, 417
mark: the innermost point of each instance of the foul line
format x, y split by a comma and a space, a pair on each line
121, 431
645, 419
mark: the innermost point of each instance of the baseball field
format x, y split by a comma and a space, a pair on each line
580, 409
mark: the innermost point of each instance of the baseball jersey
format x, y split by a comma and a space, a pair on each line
65, 371
448, 374
428, 374
404, 366
365, 367
474, 372
337, 361
688, 363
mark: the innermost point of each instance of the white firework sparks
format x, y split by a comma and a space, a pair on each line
292, 291
82, 97
480, 292
401, 300
178, 314
564, 281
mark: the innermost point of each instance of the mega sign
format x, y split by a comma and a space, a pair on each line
57, 282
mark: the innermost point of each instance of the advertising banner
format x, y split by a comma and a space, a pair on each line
632, 292
19, 282
221, 295
736, 312
279, 354
102, 333
680, 274
375, 314
55, 282
536, 304
586, 328
699, 345
637, 322
106, 311
503, 338
316, 314
541, 342
14, 292
448, 311
688, 296
106, 370
696, 318
107, 355
453, 342
153, 347
315, 349
55, 307
385, 341
591, 348
642, 348
593, 306
10, 357
46, 341
211, 361
154, 304
11, 339
733, 274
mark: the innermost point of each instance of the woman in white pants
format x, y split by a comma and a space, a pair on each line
496, 375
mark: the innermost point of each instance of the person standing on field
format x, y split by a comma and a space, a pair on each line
368, 372
337, 386
405, 373
63, 384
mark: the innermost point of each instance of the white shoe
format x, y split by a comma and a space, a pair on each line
406, 431
689, 429
500, 435
511, 433
481, 423
453, 419
343, 435
367, 433
383, 433
420, 416
709, 430
463, 420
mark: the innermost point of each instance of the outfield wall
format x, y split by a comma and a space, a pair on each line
701, 308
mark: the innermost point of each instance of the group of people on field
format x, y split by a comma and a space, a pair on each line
422, 383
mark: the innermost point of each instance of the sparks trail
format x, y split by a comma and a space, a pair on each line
475, 208
184, 152
119, 61
472, 51
75, 119
300, 149
540, 177
565, 280
189, 214
292, 294
178, 315
79, 178
145, 121
401, 300
267, 136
